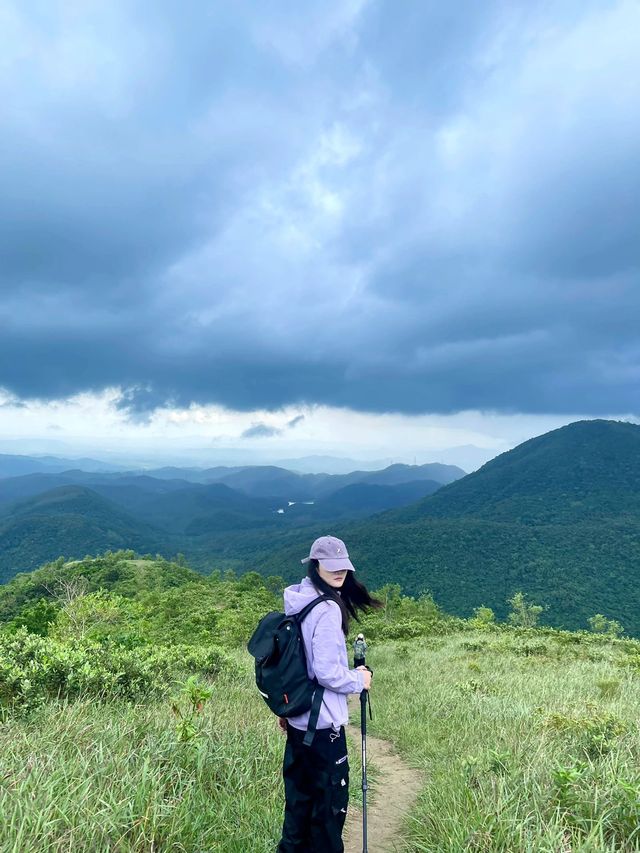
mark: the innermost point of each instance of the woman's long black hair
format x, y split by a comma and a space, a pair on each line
351, 597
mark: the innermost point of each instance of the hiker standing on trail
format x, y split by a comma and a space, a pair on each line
359, 651
316, 777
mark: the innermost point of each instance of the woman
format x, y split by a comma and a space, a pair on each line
316, 777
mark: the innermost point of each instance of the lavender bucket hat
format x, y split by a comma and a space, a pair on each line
331, 553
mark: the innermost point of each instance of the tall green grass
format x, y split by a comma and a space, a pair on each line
89, 776
527, 743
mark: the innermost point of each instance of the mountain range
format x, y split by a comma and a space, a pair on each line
193, 511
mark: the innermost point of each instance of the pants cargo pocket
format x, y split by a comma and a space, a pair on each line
340, 791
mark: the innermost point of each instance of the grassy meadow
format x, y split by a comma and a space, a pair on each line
527, 738
527, 742
87, 776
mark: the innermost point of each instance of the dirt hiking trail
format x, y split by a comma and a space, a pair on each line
397, 788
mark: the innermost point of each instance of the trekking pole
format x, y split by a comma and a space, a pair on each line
364, 698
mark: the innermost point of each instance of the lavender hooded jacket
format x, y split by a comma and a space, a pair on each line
326, 652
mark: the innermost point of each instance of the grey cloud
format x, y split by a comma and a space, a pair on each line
371, 206
261, 431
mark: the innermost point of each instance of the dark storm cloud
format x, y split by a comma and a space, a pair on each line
422, 207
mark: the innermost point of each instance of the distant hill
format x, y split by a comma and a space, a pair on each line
558, 517
319, 464
13, 489
192, 475
71, 521
270, 481
12, 465
368, 498
397, 474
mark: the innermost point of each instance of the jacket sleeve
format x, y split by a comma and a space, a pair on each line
327, 644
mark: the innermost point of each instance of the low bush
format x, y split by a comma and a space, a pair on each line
594, 733
34, 668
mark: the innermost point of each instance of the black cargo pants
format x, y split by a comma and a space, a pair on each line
316, 789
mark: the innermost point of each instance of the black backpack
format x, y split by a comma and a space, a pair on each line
281, 666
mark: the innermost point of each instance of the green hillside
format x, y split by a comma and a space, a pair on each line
366, 498
69, 520
557, 517
75, 513
586, 470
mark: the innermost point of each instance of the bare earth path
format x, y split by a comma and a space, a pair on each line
397, 787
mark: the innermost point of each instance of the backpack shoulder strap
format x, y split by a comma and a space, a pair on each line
319, 691
313, 716
309, 607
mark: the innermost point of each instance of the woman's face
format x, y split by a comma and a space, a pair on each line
334, 579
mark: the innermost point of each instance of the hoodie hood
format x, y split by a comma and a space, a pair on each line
298, 596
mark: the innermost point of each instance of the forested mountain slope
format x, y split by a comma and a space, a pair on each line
586, 470
70, 520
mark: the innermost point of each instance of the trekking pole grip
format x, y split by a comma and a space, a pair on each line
365, 697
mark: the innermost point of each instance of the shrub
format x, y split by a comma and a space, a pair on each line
632, 662
36, 617
99, 616
599, 624
483, 618
473, 647
34, 669
523, 614
594, 733
402, 630
187, 707
588, 797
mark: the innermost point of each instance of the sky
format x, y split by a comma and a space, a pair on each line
370, 229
